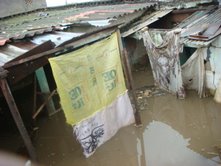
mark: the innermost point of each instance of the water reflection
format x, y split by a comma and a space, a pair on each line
167, 123
164, 146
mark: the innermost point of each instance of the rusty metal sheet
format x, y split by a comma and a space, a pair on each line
205, 38
19, 72
57, 38
212, 29
10, 52
194, 32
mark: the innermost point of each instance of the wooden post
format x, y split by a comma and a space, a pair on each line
129, 78
34, 95
43, 105
15, 113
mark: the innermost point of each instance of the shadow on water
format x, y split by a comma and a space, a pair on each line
164, 146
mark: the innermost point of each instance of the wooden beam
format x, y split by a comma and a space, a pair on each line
127, 70
44, 104
78, 42
16, 116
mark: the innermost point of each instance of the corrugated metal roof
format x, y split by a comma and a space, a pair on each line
212, 17
196, 23
14, 50
23, 57
192, 18
31, 24
196, 43
57, 38
9, 52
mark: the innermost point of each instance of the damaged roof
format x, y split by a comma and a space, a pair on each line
22, 38
12, 51
145, 21
48, 20
202, 27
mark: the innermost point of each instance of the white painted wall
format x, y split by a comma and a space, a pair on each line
213, 76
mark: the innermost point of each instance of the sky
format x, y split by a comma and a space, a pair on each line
51, 3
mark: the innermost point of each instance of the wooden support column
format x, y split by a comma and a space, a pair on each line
129, 78
15, 113
43, 84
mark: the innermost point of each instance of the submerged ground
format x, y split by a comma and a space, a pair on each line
175, 132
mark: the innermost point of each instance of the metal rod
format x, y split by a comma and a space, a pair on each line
127, 67
17, 117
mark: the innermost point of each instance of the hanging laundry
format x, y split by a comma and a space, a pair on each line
193, 72
164, 60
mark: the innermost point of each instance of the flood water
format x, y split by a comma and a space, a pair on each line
175, 132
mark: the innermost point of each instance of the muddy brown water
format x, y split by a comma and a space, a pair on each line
174, 132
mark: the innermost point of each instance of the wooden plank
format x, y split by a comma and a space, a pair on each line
19, 72
78, 42
34, 95
125, 70
44, 104
48, 45
149, 20
139, 27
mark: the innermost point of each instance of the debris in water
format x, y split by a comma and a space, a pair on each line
146, 92
218, 149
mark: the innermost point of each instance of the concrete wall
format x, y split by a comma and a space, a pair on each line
213, 75
10, 7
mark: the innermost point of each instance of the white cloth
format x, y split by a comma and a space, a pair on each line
193, 72
94, 131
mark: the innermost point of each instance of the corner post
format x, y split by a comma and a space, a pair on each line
15, 113
129, 78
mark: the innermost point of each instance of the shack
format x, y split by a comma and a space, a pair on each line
196, 34
199, 37
29, 39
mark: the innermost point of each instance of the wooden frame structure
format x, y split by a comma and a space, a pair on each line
37, 58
